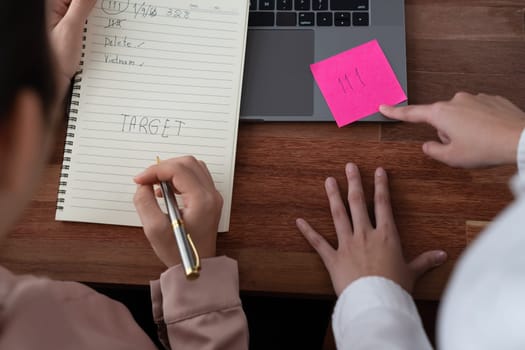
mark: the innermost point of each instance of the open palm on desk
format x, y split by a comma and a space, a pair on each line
364, 250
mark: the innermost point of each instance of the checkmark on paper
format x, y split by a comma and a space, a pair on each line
355, 82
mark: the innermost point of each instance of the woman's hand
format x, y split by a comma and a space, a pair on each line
66, 22
475, 131
362, 249
201, 213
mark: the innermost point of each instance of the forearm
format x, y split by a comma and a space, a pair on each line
202, 314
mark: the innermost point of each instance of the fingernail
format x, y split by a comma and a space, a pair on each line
138, 176
350, 168
383, 108
299, 222
380, 172
330, 182
441, 257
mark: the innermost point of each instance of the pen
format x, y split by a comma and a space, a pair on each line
188, 252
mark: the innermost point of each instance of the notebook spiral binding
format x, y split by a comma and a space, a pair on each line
71, 127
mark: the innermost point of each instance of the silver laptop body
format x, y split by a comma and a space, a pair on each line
278, 83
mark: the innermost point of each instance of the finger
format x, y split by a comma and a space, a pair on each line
488, 100
183, 179
437, 150
411, 114
321, 246
211, 182
79, 11
343, 228
427, 261
202, 173
382, 205
443, 137
507, 103
463, 96
356, 200
151, 216
206, 171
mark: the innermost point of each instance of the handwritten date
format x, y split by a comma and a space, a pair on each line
142, 9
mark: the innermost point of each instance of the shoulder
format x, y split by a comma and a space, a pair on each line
486, 290
71, 313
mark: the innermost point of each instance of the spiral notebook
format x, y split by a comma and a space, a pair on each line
157, 79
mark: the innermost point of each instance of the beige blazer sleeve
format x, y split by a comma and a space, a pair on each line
205, 313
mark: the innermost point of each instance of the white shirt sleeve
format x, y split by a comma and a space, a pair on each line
376, 313
521, 155
517, 183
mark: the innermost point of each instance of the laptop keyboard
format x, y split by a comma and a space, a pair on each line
308, 13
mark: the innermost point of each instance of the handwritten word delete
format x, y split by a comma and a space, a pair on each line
117, 41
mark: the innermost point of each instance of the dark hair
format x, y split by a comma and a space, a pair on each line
25, 55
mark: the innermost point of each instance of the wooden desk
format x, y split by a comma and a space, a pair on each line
452, 45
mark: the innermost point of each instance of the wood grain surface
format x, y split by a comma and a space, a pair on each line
452, 45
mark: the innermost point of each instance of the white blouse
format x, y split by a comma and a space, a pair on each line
483, 306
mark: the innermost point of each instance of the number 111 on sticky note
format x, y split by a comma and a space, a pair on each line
355, 82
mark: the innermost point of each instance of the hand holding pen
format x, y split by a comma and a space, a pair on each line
202, 204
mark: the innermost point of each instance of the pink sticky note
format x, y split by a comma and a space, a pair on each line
355, 82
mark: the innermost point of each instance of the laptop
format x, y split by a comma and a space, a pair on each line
286, 36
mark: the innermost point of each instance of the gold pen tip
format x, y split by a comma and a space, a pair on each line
158, 160
193, 275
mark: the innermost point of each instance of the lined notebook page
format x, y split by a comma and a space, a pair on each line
158, 78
